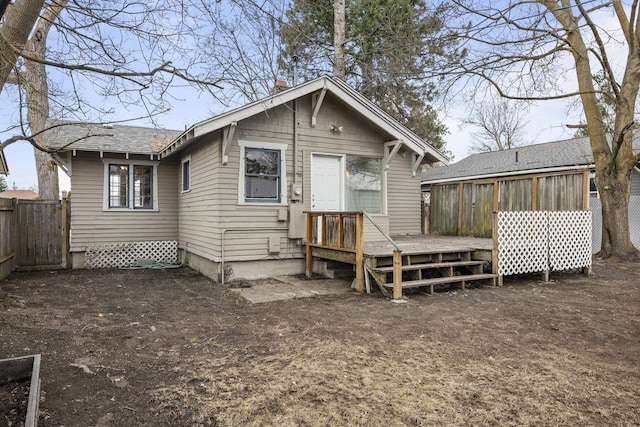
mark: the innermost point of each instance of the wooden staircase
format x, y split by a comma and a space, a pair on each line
454, 267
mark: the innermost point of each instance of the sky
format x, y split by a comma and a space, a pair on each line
546, 122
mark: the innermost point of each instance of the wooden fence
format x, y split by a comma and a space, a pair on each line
34, 234
7, 233
466, 208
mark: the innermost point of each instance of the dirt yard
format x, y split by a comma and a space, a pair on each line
171, 348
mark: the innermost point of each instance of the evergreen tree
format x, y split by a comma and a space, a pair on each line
388, 46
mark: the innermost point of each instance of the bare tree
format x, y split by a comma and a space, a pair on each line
500, 126
128, 51
552, 49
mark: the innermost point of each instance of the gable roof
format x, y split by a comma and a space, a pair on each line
338, 88
67, 136
558, 155
4, 168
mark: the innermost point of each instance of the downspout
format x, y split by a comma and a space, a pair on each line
238, 230
295, 140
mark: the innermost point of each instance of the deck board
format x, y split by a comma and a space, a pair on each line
427, 244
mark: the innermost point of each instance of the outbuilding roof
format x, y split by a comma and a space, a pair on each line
558, 155
67, 136
4, 168
346, 94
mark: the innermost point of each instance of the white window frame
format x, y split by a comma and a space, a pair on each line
283, 172
186, 159
131, 191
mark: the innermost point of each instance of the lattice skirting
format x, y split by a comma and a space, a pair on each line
530, 242
126, 253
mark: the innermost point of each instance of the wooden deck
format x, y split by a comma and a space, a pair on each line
399, 262
427, 244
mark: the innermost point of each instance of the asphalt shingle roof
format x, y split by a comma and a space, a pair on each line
109, 138
558, 154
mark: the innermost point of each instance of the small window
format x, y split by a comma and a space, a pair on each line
186, 175
262, 173
130, 185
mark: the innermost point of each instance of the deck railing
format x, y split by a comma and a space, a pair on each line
338, 231
344, 231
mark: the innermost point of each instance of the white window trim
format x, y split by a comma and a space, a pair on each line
105, 185
185, 160
283, 171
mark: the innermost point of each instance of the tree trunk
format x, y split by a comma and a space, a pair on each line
616, 241
614, 162
339, 38
37, 94
15, 31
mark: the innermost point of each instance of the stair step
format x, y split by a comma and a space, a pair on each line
441, 280
430, 265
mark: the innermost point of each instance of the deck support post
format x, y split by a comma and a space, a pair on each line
359, 253
397, 275
308, 258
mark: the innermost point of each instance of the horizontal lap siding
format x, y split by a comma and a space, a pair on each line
211, 207
91, 225
198, 229
403, 197
248, 228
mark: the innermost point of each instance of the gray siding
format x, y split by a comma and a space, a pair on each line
211, 210
91, 225
198, 209
635, 182
403, 197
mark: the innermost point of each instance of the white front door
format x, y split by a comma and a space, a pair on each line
326, 183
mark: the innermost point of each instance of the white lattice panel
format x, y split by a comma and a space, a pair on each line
522, 242
126, 253
569, 240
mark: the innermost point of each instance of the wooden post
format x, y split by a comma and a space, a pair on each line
360, 252
494, 252
308, 259
585, 190
64, 205
460, 200
397, 275
534, 193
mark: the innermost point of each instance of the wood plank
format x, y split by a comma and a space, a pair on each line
442, 280
431, 265
15, 368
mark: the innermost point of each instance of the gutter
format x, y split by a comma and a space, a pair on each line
513, 173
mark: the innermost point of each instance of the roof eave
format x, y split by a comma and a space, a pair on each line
505, 174
4, 167
339, 88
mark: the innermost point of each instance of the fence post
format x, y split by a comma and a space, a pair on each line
65, 217
494, 253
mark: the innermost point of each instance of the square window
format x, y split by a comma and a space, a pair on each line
262, 175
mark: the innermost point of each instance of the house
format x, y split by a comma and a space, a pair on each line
19, 194
232, 190
4, 168
553, 176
